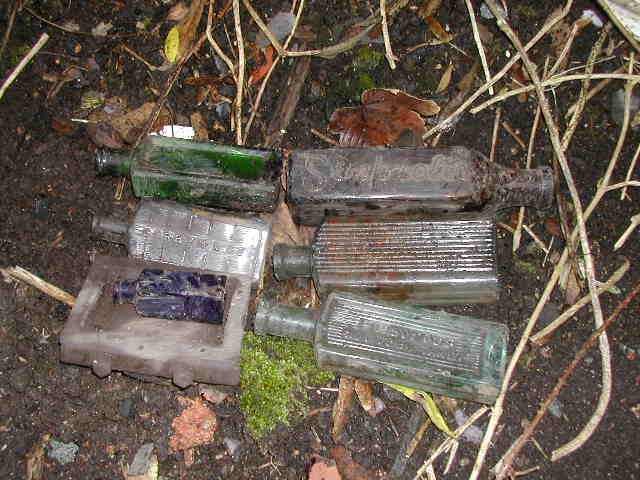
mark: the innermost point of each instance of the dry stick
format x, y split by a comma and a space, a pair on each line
555, 140
562, 381
240, 83
513, 134
635, 221
557, 80
595, 90
256, 18
391, 58
263, 86
9, 27
476, 37
23, 63
632, 167
442, 124
19, 273
539, 338
215, 46
494, 137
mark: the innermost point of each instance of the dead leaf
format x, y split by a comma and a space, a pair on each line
102, 29
383, 118
370, 403
445, 80
348, 468
64, 127
342, 406
196, 425
35, 459
437, 30
263, 69
283, 230
552, 226
200, 126
324, 469
572, 287
104, 135
177, 12
130, 124
188, 26
428, 8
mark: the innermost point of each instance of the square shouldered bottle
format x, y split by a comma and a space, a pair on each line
380, 181
176, 234
393, 342
440, 260
201, 173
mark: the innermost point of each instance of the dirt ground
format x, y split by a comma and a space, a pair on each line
50, 193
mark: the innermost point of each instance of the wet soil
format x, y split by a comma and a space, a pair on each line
50, 193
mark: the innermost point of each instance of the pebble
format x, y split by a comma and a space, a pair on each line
20, 379
63, 452
616, 109
233, 447
142, 460
126, 410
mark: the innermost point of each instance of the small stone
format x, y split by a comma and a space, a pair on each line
464, 461
63, 452
142, 460
233, 447
20, 379
126, 409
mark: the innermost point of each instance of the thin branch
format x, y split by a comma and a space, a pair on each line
635, 220
23, 63
241, 65
494, 136
632, 167
391, 58
19, 273
539, 338
562, 381
263, 26
476, 37
215, 46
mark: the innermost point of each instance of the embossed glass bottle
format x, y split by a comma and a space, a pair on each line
407, 180
393, 342
177, 234
201, 173
442, 260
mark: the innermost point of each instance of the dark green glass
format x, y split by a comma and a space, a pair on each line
201, 173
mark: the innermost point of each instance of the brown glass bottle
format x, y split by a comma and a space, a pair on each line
407, 180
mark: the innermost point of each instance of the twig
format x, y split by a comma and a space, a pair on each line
215, 46
324, 137
635, 220
17, 5
540, 337
19, 273
595, 90
632, 167
494, 136
256, 18
131, 52
514, 135
562, 381
391, 58
263, 86
476, 37
541, 33
23, 63
553, 81
241, 65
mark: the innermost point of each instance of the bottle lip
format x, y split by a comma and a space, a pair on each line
111, 229
290, 261
107, 161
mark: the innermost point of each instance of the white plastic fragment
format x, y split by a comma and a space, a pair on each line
592, 16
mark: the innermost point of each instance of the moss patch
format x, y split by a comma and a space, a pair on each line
275, 371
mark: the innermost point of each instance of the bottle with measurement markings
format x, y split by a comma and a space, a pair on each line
169, 232
442, 260
396, 343
201, 173
407, 180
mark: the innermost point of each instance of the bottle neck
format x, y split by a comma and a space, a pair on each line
110, 229
284, 321
516, 187
115, 163
291, 261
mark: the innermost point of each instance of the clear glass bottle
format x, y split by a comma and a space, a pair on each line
393, 342
177, 234
201, 173
442, 260
407, 180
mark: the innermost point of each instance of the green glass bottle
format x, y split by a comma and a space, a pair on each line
200, 173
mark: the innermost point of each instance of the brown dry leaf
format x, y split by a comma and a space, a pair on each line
196, 425
130, 124
64, 127
384, 117
428, 8
445, 80
364, 390
104, 135
572, 287
35, 459
437, 30
324, 469
342, 406
188, 27
348, 468
200, 127
283, 229
552, 226
177, 12
213, 395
